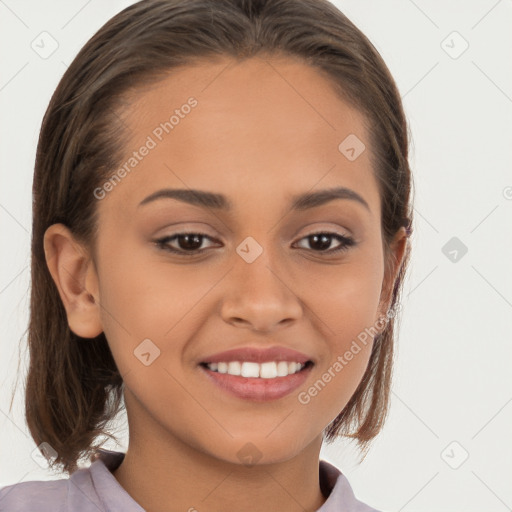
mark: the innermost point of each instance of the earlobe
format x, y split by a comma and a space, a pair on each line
74, 274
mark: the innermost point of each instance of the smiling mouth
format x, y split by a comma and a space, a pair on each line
253, 370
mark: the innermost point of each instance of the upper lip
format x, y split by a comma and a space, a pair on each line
258, 355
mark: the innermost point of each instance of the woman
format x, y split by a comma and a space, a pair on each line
221, 223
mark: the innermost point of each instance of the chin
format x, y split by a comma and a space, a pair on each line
259, 451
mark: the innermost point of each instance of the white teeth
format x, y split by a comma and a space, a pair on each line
292, 367
234, 368
268, 370
250, 369
282, 369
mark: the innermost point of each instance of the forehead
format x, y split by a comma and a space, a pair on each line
271, 126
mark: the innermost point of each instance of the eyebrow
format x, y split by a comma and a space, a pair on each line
221, 202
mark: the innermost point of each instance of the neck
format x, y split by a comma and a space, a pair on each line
173, 476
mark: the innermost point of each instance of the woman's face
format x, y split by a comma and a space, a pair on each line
256, 135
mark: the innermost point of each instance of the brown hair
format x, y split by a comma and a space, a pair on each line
73, 387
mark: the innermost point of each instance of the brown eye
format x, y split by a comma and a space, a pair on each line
188, 244
321, 242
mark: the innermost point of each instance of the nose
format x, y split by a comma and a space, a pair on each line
259, 297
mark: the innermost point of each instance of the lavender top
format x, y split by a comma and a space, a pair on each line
95, 489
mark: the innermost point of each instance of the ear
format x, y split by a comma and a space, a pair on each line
74, 274
392, 268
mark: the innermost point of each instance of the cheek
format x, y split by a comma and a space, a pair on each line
344, 297
348, 323
345, 306
339, 378
146, 298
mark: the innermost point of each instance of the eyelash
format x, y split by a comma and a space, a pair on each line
163, 243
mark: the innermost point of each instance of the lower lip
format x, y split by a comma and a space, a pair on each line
258, 389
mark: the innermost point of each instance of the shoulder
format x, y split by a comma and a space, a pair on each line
73, 494
44, 496
341, 495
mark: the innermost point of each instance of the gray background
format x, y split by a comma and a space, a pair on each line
452, 390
